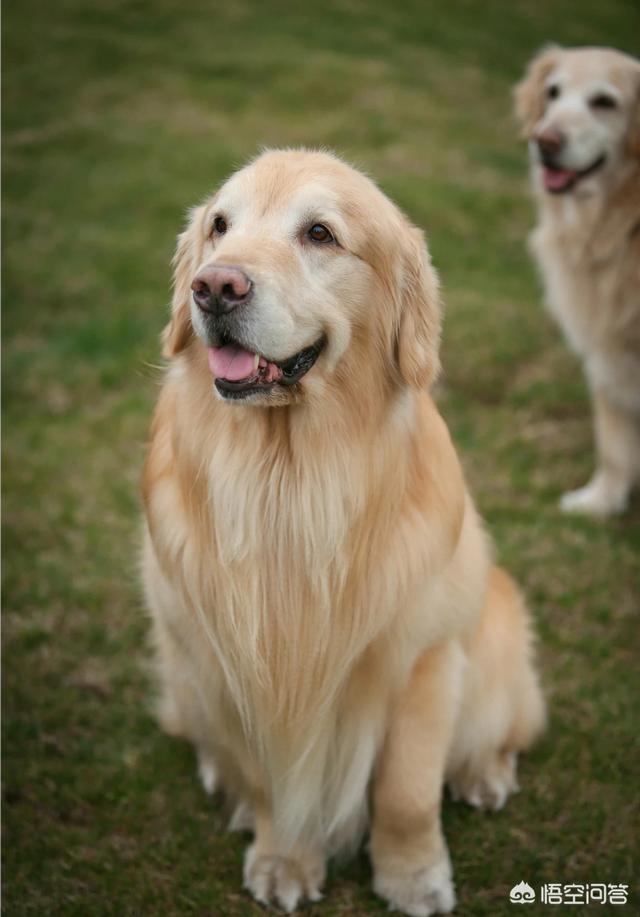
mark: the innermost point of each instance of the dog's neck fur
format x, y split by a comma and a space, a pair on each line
596, 226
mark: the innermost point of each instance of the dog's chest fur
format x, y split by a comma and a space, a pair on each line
591, 271
291, 595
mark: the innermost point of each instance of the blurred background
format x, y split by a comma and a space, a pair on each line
117, 117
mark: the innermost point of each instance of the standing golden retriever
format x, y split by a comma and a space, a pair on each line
580, 110
331, 633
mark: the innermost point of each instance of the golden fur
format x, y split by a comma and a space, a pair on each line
326, 615
587, 245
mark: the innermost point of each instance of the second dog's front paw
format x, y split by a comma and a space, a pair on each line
595, 499
284, 881
429, 891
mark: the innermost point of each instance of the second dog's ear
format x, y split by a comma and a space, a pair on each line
188, 255
528, 94
418, 336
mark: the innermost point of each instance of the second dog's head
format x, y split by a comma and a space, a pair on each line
580, 110
298, 269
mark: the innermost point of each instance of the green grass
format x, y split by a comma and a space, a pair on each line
117, 116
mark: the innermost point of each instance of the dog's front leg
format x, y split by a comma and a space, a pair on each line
285, 877
617, 432
411, 863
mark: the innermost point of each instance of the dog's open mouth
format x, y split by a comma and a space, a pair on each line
558, 180
239, 372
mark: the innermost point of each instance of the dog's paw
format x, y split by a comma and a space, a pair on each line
242, 818
429, 891
596, 499
208, 774
283, 881
490, 788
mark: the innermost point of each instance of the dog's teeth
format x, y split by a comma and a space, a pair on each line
256, 361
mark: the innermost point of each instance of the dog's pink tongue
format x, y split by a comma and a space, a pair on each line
231, 363
556, 179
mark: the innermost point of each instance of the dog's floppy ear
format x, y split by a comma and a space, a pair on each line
178, 332
528, 95
418, 335
633, 135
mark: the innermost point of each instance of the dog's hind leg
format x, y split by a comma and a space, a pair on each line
180, 708
502, 708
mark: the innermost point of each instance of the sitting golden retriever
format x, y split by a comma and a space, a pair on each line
580, 110
331, 633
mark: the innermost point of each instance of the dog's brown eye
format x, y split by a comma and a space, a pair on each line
320, 233
602, 100
553, 92
219, 226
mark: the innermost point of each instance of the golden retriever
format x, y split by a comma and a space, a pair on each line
330, 631
580, 111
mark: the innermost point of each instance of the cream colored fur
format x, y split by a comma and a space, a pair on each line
587, 245
328, 623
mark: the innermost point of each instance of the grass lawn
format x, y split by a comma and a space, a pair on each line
117, 115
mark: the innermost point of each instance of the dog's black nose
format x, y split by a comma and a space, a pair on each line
221, 289
550, 143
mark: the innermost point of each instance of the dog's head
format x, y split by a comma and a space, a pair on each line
580, 110
296, 267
